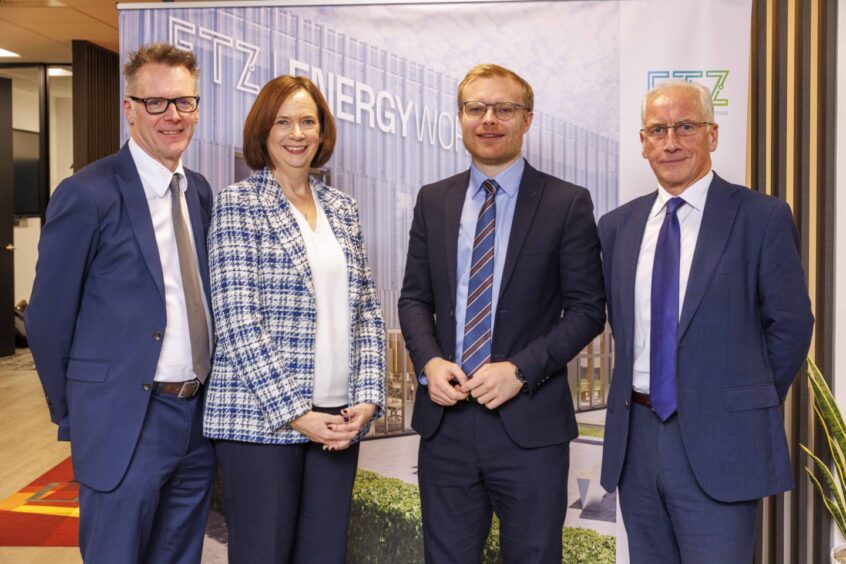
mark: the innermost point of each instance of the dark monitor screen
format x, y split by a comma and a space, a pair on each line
25, 153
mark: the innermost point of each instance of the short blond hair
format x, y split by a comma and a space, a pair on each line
487, 70
158, 53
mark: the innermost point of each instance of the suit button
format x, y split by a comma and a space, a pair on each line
628, 403
146, 387
157, 336
451, 314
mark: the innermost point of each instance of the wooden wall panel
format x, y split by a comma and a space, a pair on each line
96, 103
792, 152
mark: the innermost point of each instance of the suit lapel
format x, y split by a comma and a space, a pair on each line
277, 209
195, 214
717, 219
138, 211
528, 198
629, 239
453, 204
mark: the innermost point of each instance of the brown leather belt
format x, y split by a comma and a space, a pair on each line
182, 390
641, 399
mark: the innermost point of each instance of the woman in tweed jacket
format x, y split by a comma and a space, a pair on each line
298, 372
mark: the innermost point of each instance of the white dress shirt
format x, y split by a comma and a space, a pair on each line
690, 219
175, 360
331, 292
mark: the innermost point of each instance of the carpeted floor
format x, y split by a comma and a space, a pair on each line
44, 513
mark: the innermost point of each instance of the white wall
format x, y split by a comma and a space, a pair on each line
25, 116
26, 232
26, 236
61, 133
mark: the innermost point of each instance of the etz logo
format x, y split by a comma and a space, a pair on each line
715, 79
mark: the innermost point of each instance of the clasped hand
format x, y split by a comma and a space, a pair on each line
492, 385
334, 432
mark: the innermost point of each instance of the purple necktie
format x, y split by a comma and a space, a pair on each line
665, 314
477, 327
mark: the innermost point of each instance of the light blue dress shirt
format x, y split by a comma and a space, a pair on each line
506, 200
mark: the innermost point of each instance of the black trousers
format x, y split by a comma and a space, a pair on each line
286, 503
469, 469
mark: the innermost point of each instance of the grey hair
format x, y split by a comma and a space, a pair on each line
700, 90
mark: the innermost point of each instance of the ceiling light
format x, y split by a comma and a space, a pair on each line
58, 71
5, 53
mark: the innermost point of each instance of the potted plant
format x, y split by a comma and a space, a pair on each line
834, 492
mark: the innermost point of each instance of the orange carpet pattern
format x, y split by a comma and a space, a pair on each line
44, 513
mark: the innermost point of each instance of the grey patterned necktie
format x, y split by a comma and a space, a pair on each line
198, 328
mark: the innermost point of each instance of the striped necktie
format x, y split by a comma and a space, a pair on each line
198, 329
664, 325
477, 327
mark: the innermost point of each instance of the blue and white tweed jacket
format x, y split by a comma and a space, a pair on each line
265, 313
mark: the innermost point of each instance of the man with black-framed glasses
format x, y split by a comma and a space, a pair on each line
120, 328
711, 320
503, 287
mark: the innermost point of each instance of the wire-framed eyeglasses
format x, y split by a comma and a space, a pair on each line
660, 131
503, 111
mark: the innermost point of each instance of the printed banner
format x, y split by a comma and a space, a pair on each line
705, 42
390, 74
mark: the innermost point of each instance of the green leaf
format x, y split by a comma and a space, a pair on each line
833, 492
831, 416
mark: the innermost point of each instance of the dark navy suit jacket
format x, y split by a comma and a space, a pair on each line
744, 331
96, 318
552, 265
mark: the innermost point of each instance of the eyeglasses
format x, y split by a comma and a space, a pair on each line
503, 111
684, 129
156, 106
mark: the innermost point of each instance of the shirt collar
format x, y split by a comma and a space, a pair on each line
694, 196
154, 174
508, 179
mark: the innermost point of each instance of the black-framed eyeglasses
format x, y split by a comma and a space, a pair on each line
156, 106
683, 129
503, 111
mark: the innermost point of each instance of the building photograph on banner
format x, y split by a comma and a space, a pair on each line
390, 74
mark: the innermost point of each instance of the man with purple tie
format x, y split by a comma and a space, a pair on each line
711, 318
503, 286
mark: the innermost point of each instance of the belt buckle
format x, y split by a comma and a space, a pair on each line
191, 388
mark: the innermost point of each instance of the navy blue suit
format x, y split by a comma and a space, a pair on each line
95, 325
744, 330
552, 266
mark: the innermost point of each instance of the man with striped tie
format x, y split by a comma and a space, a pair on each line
503, 286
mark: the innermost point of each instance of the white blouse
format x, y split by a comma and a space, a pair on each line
331, 291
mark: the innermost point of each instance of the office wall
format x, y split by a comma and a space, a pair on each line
27, 231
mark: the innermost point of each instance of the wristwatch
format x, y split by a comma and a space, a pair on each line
519, 375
